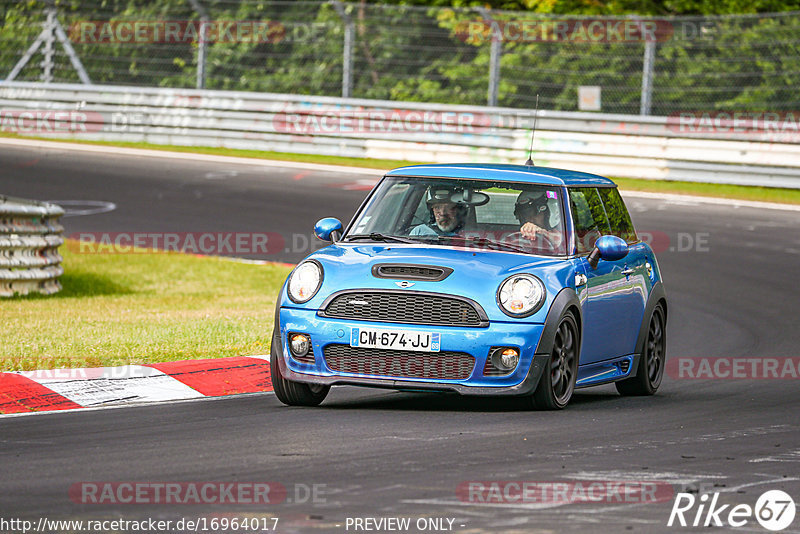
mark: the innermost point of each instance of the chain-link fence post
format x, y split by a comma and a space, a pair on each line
49, 49
647, 77
347, 51
202, 48
494, 57
202, 44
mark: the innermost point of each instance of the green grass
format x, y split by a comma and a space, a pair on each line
118, 309
740, 192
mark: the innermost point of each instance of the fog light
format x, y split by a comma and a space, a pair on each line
506, 359
509, 358
299, 344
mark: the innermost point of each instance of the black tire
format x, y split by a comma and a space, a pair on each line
557, 384
293, 393
652, 361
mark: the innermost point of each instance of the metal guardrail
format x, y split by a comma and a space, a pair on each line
615, 145
29, 239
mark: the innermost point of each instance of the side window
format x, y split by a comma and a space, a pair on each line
589, 217
618, 216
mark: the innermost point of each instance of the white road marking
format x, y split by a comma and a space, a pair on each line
220, 175
751, 484
791, 456
688, 440
520, 506
667, 477
75, 208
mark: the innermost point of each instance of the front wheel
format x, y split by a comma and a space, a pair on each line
651, 363
558, 381
289, 392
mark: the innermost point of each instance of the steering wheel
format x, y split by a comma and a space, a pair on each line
541, 242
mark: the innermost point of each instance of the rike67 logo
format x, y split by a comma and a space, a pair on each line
774, 510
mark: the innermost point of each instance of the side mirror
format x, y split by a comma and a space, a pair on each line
328, 229
609, 248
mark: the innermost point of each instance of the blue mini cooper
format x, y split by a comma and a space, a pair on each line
478, 279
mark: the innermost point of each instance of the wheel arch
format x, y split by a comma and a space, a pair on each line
565, 301
657, 296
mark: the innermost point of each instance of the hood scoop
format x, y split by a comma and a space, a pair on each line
407, 271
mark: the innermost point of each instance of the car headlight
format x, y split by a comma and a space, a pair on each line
304, 281
521, 295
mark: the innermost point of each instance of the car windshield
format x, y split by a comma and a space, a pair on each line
507, 216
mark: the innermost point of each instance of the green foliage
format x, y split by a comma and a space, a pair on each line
420, 51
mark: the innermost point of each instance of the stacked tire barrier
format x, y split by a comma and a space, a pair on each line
30, 235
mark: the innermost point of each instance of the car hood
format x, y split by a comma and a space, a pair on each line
477, 273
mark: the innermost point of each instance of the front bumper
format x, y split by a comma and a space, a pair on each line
474, 341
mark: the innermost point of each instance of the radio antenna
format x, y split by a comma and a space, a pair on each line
533, 132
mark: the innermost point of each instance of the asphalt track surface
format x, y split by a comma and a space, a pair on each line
375, 453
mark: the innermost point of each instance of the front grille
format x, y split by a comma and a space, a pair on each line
445, 365
404, 307
411, 272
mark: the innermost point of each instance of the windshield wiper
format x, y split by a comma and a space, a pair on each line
375, 236
484, 242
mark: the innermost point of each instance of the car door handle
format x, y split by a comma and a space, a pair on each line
628, 272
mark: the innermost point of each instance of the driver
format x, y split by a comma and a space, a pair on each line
447, 217
533, 213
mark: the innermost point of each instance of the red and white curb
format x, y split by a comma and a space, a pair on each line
69, 389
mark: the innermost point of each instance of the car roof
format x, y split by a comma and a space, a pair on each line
511, 173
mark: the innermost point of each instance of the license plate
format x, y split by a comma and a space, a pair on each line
379, 338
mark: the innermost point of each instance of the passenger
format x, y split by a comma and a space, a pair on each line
533, 213
447, 217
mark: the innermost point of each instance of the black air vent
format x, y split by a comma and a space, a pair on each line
403, 271
410, 307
